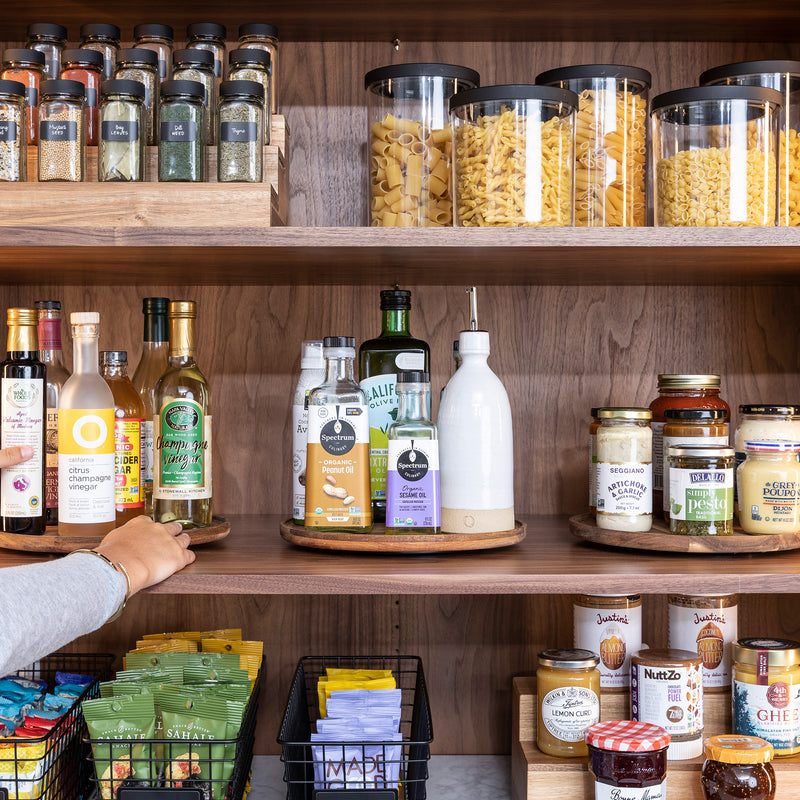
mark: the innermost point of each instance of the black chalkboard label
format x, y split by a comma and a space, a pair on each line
91, 97
162, 69
31, 96
58, 131
129, 793
239, 132
8, 130
179, 131
217, 67
119, 131
355, 794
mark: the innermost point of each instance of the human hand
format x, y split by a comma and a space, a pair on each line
149, 551
11, 456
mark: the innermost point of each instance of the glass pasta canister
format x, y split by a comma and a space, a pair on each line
514, 149
738, 768
769, 487
610, 142
715, 156
410, 143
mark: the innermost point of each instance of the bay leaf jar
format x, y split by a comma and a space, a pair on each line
240, 150
182, 113
122, 131
62, 131
13, 134
568, 690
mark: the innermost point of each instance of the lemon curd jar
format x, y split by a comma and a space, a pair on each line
769, 487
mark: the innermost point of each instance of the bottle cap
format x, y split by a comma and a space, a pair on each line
473, 342
80, 55
732, 749
179, 88
22, 316
625, 412
153, 29
182, 308
627, 736
137, 55
103, 29
311, 355
84, 318
395, 300
206, 29
249, 55
688, 381
189, 56
62, 86
696, 413
55, 304
569, 658
113, 356
338, 341
413, 376
123, 86
237, 88
770, 652
47, 29
22, 54
258, 29
770, 411
155, 305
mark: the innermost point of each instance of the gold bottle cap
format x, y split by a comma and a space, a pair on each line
23, 316
624, 412
183, 308
689, 381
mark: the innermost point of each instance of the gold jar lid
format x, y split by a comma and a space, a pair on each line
183, 308
780, 652
23, 316
568, 658
733, 749
625, 412
689, 381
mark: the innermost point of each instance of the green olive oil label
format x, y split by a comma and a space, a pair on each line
381, 392
183, 447
701, 495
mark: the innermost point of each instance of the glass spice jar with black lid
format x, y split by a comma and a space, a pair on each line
181, 152
49, 39
137, 64
198, 65
249, 64
86, 67
62, 131
261, 36
160, 39
13, 134
240, 151
104, 39
120, 155
26, 67
211, 37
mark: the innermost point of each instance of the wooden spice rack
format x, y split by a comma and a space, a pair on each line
536, 776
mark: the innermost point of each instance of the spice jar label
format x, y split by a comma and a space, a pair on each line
771, 712
112, 131
91, 97
31, 96
568, 711
239, 131
603, 791
185, 131
58, 131
8, 130
701, 495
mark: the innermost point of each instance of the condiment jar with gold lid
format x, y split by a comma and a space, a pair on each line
738, 768
568, 688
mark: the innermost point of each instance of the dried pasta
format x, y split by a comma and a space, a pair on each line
789, 210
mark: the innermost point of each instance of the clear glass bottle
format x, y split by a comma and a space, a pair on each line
49, 333
138, 64
50, 40
151, 366
121, 155
379, 361
26, 67
104, 39
86, 438
22, 487
240, 133
182, 487
260, 35
86, 67
182, 114
13, 132
62, 131
208, 36
249, 64
198, 65
161, 40
413, 500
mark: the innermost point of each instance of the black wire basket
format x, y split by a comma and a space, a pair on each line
357, 770
53, 767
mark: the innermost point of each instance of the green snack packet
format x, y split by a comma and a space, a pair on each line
136, 661
160, 674
217, 675
123, 719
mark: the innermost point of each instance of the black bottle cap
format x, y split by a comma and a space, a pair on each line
233, 88
395, 300
190, 56
155, 305
47, 29
154, 29
257, 29
413, 376
54, 304
249, 55
177, 88
12, 88
114, 356
122, 86
23, 54
339, 341
103, 29
62, 86
137, 55
206, 29
82, 54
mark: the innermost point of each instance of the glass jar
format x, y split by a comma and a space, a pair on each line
261, 36
519, 140
13, 132
765, 422
625, 754
240, 149
160, 40
26, 67
691, 426
120, 155
410, 143
610, 625
701, 490
738, 768
49, 39
208, 36
610, 142
715, 156
766, 702
593, 426
181, 151
86, 67
138, 64
198, 65
624, 469
62, 131
568, 691
104, 39
769, 487
707, 624
249, 64
783, 76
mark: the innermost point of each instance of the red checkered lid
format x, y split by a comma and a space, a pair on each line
627, 736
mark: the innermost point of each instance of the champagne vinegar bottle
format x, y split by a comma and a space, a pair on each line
182, 429
86, 438
22, 487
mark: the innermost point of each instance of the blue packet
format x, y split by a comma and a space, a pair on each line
54, 703
69, 690
25, 683
11, 712
71, 677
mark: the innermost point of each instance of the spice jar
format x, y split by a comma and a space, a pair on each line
593, 426
769, 487
568, 689
610, 142
691, 426
240, 151
260, 36
624, 469
766, 702
707, 624
198, 65
86, 67
181, 153
122, 131
249, 64
159, 39
610, 625
700, 490
13, 132
138, 64
62, 131
49, 39
738, 768
26, 67
210, 37
104, 39
628, 755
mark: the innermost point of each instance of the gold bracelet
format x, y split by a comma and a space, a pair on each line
118, 567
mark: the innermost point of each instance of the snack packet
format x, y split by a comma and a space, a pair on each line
227, 633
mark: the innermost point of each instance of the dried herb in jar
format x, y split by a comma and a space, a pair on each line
13, 139
241, 132
122, 131
181, 155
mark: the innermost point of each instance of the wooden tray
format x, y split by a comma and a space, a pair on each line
379, 542
53, 543
659, 538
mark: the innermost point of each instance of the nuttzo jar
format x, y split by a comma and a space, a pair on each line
240, 150
62, 131
181, 151
261, 36
85, 66
769, 487
198, 65
49, 39
159, 39
250, 64
120, 155
208, 36
738, 768
104, 39
139, 64
13, 132
26, 67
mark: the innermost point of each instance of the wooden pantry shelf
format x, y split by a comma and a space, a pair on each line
254, 559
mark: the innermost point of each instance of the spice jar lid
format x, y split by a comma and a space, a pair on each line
192, 56
154, 29
669, 381
23, 54
113, 356
413, 376
579, 71
696, 413
568, 658
206, 29
99, 29
137, 55
732, 749
715, 94
701, 451
122, 86
177, 88
770, 411
62, 86
77, 55
249, 55
771, 446
258, 29
236, 88
50, 29
338, 341
513, 91
627, 736
625, 412
741, 68
421, 70
777, 652
12, 87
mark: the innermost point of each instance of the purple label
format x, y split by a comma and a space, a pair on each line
412, 487
634, 691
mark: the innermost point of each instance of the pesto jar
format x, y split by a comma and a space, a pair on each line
138, 64
240, 152
181, 152
701, 490
120, 156
249, 64
198, 65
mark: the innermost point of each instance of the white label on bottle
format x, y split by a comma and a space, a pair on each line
410, 361
147, 451
670, 441
624, 488
658, 455
300, 444
21, 489
603, 791
771, 712
614, 633
568, 711
669, 696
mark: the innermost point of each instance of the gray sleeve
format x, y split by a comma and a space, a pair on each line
45, 606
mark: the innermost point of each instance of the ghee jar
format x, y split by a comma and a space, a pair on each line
769, 487
766, 681
568, 690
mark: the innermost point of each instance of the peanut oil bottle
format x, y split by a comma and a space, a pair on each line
337, 458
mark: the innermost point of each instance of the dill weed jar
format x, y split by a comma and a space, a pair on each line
181, 153
738, 768
160, 40
104, 39
240, 152
198, 65
138, 64
122, 131
249, 64
26, 67
13, 134
85, 66
50, 40
261, 36
62, 131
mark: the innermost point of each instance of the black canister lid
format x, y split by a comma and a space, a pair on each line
514, 91
153, 29
12, 88
249, 55
620, 71
696, 413
177, 88
339, 341
696, 94
51, 304
771, 410
422, 70
122, 86
99, 29
206, 29
395, 299
234, 88
258, 29
82, 54
192, 56
413, 376
50, 29
23, 54
113, 356
137, 55
740, 68
62, 86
